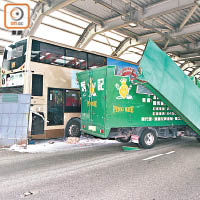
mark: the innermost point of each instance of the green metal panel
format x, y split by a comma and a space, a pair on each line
170, 83
110, 101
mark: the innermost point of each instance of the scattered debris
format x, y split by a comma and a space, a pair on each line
53, 145
51, 142
31, 141
128, 148
27, 194
73, 140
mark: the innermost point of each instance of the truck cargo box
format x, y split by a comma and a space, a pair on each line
110, 101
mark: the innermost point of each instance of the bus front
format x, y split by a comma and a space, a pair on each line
12, 72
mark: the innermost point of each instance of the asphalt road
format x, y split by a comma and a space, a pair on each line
169, 171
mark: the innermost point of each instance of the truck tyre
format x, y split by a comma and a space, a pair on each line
198, 139
124, 139
148, 138
73, 128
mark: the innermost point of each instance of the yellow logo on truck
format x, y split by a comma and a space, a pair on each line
92, 87
123, 109
92, 103
123, 90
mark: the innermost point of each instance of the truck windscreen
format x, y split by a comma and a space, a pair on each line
141, 89
14, 55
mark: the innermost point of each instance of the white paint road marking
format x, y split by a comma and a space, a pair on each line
170, 152
153, 157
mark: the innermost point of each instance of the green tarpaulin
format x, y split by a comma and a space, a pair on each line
170, 82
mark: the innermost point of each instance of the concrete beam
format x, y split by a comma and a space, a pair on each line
197, 63
61, 29
87, 36
160, 21
134, 17
195, 50
174, 49
188, 16
83, 13
133, 4
195, 71
182, 65
166, 44
41, 10
123, 46
95, 19
94, 29
190, 55
186, 65
109, 6
163, 35
165, 7
187, 30
6, 40
189, 58
189, 39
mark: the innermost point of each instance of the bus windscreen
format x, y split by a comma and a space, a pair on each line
14, 55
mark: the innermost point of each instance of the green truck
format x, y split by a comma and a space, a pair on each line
141, 108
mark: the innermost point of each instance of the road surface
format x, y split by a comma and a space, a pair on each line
169, 171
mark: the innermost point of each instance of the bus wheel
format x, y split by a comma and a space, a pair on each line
148, 138
73, 128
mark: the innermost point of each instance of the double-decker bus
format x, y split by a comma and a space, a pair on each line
47, 71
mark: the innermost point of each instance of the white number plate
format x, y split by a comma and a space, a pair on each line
92, 128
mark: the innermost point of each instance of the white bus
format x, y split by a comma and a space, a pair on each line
47, 70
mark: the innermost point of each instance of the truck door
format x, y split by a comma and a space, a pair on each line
96, 104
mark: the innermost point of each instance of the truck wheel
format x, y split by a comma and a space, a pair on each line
73, 128
148, 138
124, 139
198, 139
